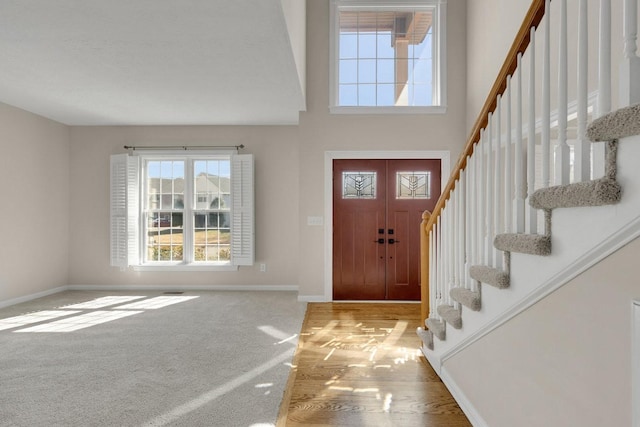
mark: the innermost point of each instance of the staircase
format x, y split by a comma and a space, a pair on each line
508, 185
610, 128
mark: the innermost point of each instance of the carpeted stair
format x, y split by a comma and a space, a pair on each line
598, 192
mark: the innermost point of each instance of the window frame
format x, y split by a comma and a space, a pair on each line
439, 55
128, 239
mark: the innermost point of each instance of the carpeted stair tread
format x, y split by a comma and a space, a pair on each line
615, 125
426, 337
451, 315
466, 297
437, 327
598, 192
532, 244
490, 276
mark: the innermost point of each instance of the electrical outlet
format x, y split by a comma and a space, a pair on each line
263, 268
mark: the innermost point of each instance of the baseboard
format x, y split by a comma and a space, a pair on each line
463, 402
30, 297
432, 358
241, 288
312, 298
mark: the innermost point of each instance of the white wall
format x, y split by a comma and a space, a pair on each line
34, 222
566, 361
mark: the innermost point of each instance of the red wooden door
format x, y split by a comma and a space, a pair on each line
377, 209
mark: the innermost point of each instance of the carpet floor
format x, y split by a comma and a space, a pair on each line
147, 359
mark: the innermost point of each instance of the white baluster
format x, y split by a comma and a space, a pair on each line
604, 84
604, 63
451, 240
433, 266
546, 97
520, 158
450, 236
470, 218
461, 244
531, 138
582, 149
440, 270
562, 149
482, 195
489, 190
498, 177
440, 256
508, 173
630, 69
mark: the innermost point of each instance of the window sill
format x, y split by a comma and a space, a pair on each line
435, 109
184, 267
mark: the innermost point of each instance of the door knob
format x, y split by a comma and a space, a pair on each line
392, 241
381, 241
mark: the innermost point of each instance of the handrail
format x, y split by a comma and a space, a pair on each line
521, 42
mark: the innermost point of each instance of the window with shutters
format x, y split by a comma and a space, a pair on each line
171, 210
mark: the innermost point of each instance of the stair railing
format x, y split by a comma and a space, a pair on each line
510, 152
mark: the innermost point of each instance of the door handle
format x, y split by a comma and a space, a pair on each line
392, 241
380, 241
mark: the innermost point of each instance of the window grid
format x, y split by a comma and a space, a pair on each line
361, 89
192, 196
211, 217
164, 210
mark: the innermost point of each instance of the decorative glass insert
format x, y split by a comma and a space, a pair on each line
358, 185
413, 185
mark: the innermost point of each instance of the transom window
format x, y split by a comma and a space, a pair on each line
387, 56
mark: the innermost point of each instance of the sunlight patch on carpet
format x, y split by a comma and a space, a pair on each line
154, 303
37, 317
82, 321
103, 302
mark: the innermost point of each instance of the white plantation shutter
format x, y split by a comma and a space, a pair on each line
124, 210
119, 243
242, 210
133, 209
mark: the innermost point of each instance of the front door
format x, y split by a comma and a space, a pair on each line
377, 210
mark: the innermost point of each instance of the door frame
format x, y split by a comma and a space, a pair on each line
329, 156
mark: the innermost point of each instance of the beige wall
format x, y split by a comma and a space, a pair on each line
566, 361
289, 175
289, 167
491, 28
321, 131
275, 150
34, 170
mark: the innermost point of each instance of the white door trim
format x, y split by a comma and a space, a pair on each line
329, 157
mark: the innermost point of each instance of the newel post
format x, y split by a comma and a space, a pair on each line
424, 267
630, 68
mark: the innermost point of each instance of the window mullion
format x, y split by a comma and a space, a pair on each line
188, 212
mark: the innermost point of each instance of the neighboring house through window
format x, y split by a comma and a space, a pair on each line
388, 56
182, 210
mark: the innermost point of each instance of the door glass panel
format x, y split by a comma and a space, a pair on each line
413, 185
358, 185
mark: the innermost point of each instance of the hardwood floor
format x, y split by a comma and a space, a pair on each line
359, 364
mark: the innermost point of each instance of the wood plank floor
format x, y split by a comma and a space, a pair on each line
359, 364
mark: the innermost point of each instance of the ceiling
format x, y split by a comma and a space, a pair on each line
154, 62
